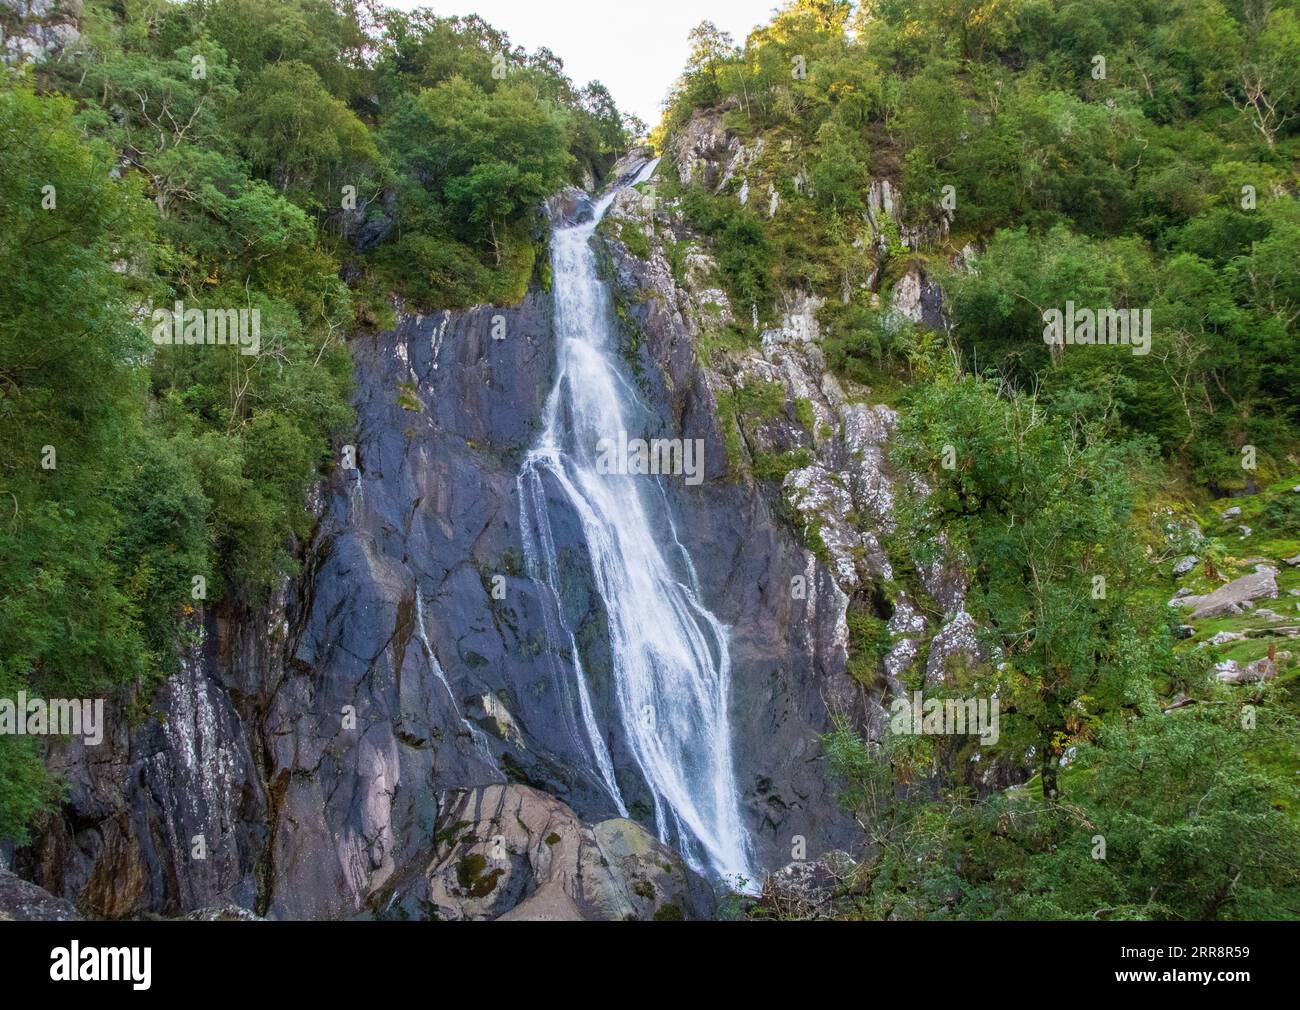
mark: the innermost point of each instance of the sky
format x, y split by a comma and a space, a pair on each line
635, 48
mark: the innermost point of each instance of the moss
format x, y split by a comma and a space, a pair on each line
634, 239
449, 836
869, 640
542, 267
552, 839
676, 253
631, 347
472, 878
803, 413
408, 397
730, 428
669, 913
468, 869
760, 400
644, 889
717, 339
812, 539
774, 465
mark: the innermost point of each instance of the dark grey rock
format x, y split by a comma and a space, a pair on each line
21, 901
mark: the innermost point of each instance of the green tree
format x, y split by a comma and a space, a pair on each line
1040, 512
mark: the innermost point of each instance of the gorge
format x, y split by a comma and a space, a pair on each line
595, 506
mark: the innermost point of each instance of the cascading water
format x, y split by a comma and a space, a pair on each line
670, 655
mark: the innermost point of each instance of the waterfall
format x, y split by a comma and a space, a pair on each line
670, 655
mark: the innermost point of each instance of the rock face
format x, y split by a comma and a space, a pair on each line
21, 901
310, 744
160, 817
38, 29
512, 852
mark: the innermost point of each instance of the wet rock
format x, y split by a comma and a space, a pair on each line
145, 802
221, 913
570, 206
786, 610
629, 165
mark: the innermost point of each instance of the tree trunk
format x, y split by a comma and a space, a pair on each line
1048, 768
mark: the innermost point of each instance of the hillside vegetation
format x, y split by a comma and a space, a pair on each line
1114, 155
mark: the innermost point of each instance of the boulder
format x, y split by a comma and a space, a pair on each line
1261, 669
1222, 638
1234, 597
514, 852
1185, 565
21, 901
804, 890
570, 206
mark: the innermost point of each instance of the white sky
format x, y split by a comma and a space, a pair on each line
636, 49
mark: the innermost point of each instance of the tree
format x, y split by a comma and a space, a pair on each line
68, 388
1266, 78
710, 46
308, 142
486, 157
1039, 511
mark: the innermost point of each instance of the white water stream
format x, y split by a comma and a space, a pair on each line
671, 662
